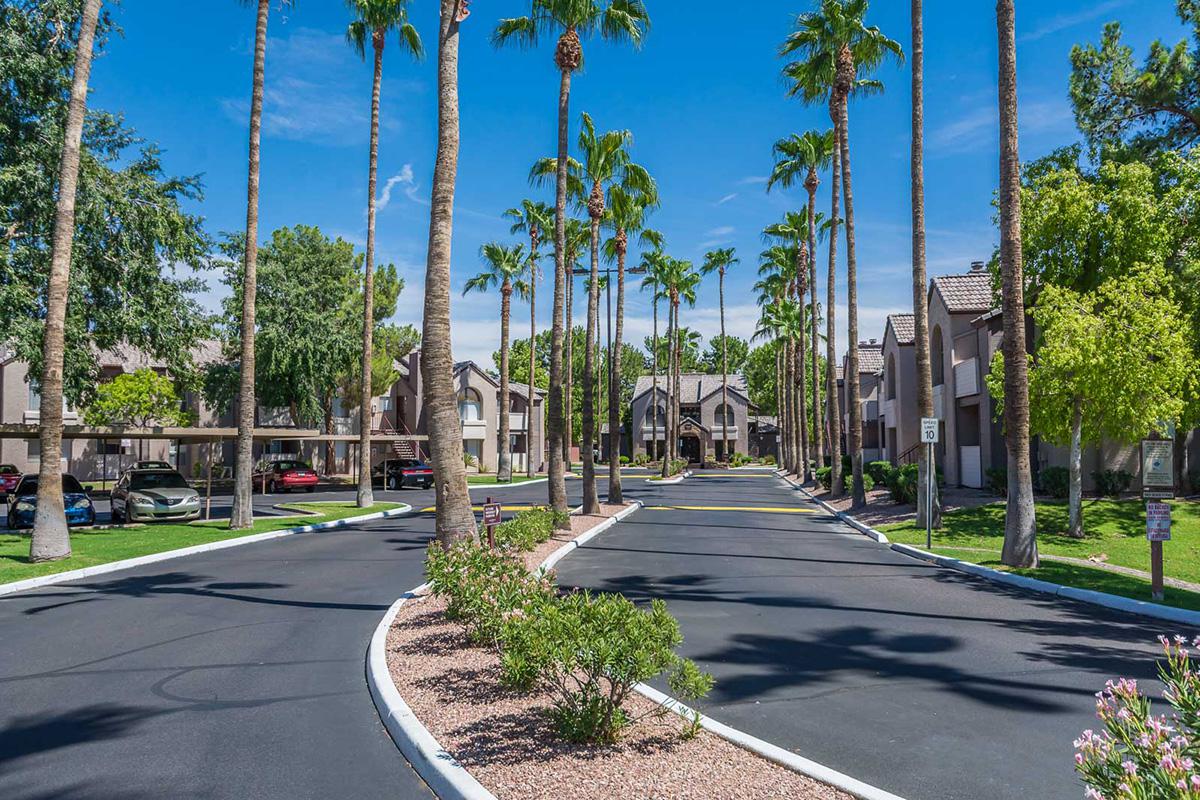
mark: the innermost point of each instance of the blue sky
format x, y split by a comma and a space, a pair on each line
703, 99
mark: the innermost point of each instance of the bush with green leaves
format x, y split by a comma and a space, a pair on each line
641, 460
879, 471
1112, 482
824, 477
587, 651
997, 480
624, 460
528, 529
903, 483
484, 588
1140, 756
469, 460
769, 459
1055, 481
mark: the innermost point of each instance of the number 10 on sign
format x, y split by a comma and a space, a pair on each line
929, 437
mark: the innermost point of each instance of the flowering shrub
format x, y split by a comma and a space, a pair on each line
484, 588
1139, 756
528, 529
587, 651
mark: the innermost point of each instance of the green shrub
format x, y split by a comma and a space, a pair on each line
824, 477
484, 469
676, 466
528, 529
769, 459
1055, 481
484, 588
1112, 482
997, 480
587, 652
879, 471
902, 483
623, 460
641, 459
468, 460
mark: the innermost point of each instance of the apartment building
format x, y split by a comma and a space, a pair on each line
870, 367
705, 419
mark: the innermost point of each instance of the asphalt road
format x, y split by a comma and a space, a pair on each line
232, 674
919, 680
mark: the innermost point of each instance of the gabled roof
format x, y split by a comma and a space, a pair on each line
870, 358
694, 387
514, 387
903, 328
970, 293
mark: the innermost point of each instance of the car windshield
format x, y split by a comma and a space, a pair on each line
9, 469
410, 462
284, 466
157, 480
29, 485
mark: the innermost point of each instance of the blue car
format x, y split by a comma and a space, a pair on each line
22, 503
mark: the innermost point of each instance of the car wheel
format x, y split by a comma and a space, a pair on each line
309, 489
116, 517
272, 488
427, 485
392, 483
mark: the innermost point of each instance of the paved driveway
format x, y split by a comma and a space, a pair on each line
233, 674
919, 680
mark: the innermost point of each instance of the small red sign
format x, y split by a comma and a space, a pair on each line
491, 514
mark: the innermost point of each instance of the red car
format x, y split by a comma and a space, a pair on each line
284, 476
10, 476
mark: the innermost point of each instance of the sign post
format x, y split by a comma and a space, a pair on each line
929, 437
1158, 486
491, 518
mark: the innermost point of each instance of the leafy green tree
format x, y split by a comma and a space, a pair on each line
1111, 364
737, 348
689, 353
760, 377
141, 399
1152, 107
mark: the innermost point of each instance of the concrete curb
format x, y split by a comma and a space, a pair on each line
1111, 601
866, 530
773, 753
448, 779
128, 563
668, 481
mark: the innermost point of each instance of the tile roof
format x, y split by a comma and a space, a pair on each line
693, 386
904, 327
962, 293
870, 358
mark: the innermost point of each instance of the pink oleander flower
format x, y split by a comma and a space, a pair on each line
1129, 767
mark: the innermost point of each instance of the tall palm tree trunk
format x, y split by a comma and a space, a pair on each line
366, 497
678, 385
591, 501
51, 540
780, 436
504, 464
833, 405
788, 402
1020, 525
530, 451
919, 280
670, 376
818, 447
854, 436
241, 515
802, 410
654, 381
455, 519
567, 58
724, 370
615, 494
569, 373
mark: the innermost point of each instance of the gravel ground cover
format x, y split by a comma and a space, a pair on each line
507, 742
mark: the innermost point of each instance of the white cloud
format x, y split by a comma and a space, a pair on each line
1061, 22
716, 236
980, 128
727, 198
403, 178
751, 180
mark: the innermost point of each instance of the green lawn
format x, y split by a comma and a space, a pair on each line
490, 480
1115, 529
100, 546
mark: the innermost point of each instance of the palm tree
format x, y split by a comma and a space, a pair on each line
772, 289
796, 156
682, 280
1020, 530
626, 215
531, 218
455, 518
654, 262
504, 267
615, 20
374, 20
241, 515
606, 163
838, 49
793, 231
919, 280
51, 539
578, 234
719, 261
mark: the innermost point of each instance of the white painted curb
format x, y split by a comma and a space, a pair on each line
770, 752
128, 563
668, 481
1112, 601
448, 779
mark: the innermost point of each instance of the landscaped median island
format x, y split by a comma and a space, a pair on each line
531, 689
102, 545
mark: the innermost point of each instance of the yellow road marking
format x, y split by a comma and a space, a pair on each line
727, 475
764, 509
431, 509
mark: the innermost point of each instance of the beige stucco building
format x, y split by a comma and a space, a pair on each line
705, 419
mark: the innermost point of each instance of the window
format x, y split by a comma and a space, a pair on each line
890, 377
474, 449
937, 356
33, 448
35, 398
111, 447
339, 408
726, 413
470, 406
385, 404
661, 422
